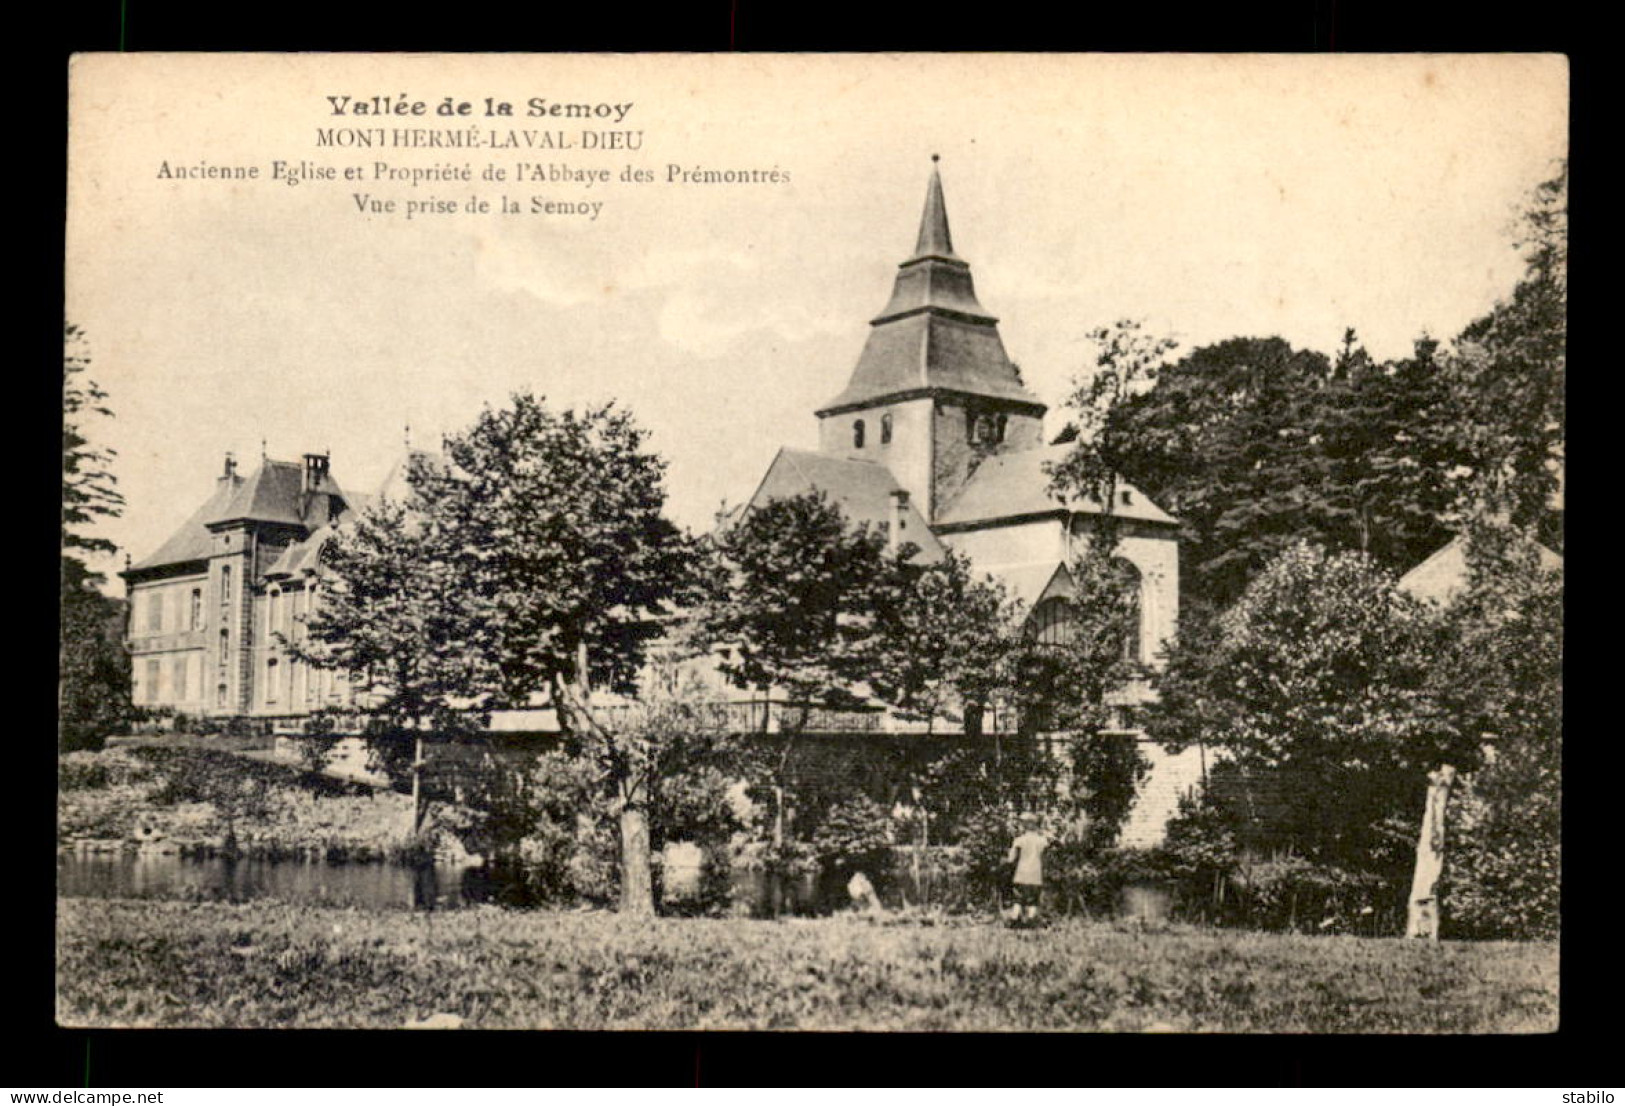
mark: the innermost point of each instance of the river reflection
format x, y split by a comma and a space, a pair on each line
367, 886
376, 886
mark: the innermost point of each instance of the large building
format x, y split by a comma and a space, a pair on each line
936, 439
212, 608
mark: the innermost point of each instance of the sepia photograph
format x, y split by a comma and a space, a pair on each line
809, 542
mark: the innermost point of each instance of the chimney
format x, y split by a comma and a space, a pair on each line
231, 467
315, 472
899, 518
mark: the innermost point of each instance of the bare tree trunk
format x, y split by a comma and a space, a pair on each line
417, 786
637, 879
1422, 919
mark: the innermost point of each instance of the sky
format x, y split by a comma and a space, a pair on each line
1209, 196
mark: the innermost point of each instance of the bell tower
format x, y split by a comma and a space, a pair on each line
933, 393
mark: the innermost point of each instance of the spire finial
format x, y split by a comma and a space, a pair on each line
935, 158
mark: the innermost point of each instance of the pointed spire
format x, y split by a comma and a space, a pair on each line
934, 239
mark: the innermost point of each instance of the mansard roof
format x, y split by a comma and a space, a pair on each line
861, 489
1013, 485
274, 493
933, 335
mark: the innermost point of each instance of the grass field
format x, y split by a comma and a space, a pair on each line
125, 963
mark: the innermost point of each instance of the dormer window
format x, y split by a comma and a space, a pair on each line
857, 434
885, 428
998, 429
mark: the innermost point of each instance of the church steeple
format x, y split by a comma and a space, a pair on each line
934, 239
933, 336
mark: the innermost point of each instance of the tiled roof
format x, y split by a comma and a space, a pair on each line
1009, 485
862, 490
933, 333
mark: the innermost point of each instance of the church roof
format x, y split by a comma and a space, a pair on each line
861, 489
933, 334
1010, 485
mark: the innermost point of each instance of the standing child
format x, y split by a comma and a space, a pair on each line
1027, 854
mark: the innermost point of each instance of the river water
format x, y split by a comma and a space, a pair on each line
143, 875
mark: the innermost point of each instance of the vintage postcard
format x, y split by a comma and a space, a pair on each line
808, 542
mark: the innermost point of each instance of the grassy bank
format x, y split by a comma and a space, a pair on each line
197, 801
125, 963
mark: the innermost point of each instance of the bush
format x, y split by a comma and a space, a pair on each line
1502, 869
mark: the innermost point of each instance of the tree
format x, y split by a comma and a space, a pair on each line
393, 615
1127, 363
1501, 671
936, 638
1322, 671
1387, 469
791, 593
1508, 370
567, 567
89, 488
1221, 442
94, 672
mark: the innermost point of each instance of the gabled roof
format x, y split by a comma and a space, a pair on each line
861, 489
933, 335
1444, 574
1011, 485
1034, 582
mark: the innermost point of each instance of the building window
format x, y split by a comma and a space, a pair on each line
225, 647
885, 428
225, 584
271, 673
220, 695
177, 678
1052, 622
152, 689
197, 608
998, 428
155, 612
857, 434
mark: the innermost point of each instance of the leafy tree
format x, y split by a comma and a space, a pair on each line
1221, 442
394, 616
1500, 669
1321, 670
936, 638
1127, 363
791, 597
1387, 468
566, 565
1072, 684
94, 671
89, 488
1509, 372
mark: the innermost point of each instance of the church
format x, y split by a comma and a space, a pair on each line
934, 438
